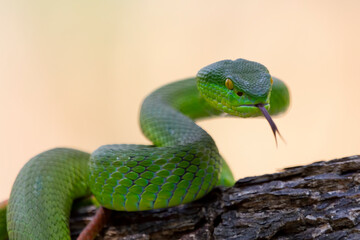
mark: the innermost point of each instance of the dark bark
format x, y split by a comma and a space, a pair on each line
316, 201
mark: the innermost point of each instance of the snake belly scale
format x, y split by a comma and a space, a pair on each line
183, 165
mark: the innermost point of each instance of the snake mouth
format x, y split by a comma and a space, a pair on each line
269, 119
254, 105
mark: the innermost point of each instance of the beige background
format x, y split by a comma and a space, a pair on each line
74, 73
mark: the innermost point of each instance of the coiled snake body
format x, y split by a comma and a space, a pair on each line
183, 165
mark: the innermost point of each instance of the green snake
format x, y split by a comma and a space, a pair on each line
183, 165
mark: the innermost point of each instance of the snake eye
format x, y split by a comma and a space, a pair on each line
240, 94
271, 81
229, 84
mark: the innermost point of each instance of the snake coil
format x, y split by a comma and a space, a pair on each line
183, 165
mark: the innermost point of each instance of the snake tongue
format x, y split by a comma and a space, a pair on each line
271, 122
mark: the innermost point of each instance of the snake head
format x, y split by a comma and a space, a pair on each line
236, 87
240, 88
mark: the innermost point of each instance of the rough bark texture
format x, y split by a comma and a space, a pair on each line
316, 201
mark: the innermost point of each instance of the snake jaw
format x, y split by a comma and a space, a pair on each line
270, 121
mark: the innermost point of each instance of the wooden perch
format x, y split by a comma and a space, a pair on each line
316, 201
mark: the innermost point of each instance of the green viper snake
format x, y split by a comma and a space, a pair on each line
183, 165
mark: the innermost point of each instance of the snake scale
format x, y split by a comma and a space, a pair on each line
183, 165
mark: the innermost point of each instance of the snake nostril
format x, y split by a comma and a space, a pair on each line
240, 94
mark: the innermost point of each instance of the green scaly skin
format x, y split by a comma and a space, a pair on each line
3, 232
183, 165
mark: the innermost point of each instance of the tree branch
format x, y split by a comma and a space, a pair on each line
316, 201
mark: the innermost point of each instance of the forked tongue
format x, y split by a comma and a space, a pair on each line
271, 122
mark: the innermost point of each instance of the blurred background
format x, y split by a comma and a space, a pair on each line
74, 74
